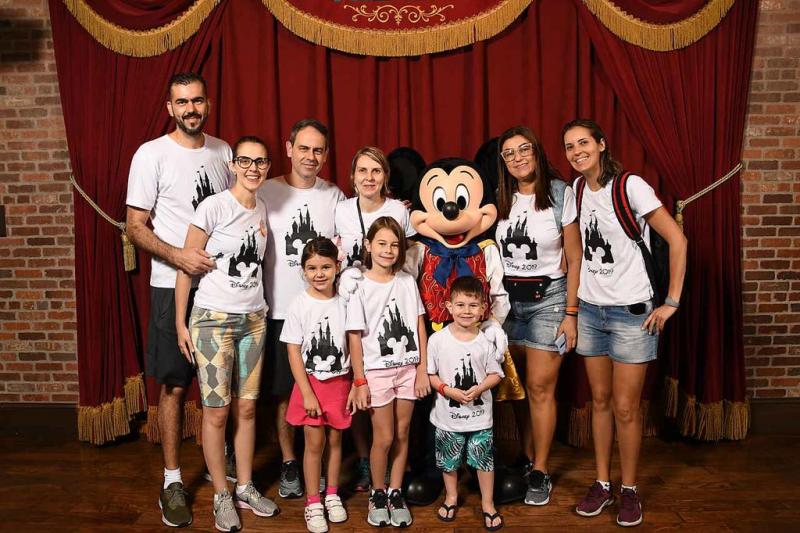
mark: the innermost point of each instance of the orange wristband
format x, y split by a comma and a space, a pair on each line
358, 382
441, 388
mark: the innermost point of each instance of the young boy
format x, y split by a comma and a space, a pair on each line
463, 368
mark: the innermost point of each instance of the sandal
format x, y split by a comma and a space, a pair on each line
448, 509
492, 518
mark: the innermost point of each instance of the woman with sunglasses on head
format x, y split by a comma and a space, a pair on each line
369, 177
226, 333
618, 323
537, 233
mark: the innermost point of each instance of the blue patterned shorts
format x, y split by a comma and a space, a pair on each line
450, 447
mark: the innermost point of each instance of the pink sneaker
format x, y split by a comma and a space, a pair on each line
630, 509
595, 501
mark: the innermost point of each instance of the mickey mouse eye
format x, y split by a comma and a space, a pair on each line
462, 196
439, 198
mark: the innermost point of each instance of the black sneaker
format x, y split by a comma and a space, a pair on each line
174, 510
401, 516
378, 514
290, 486
539, 487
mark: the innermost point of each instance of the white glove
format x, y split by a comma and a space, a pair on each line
349, 281
494, 332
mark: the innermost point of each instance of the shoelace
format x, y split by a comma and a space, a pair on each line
176, 498
378, 500
250, 492
536, 480
628, 498
225, 505
396, 500
597, 491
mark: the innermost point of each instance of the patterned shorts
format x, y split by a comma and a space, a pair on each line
229, 349
450, 449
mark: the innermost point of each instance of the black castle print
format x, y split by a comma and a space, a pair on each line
324, 355
594, 240
465, 381
302, 230
354, 257
247, 256
202, 188
395, 332
517, 241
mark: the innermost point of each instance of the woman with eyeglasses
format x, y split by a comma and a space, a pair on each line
369, 177
226, 333
538, 235
619, 321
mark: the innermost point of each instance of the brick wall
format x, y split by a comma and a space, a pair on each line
37, 296
37, 303
771, 206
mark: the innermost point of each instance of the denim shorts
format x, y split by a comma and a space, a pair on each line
535, 324
616, 331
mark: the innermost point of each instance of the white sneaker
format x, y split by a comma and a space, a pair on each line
336, 511
315, 518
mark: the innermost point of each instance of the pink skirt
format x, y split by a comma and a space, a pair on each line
332, 397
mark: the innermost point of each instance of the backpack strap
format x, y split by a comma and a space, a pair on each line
557, 188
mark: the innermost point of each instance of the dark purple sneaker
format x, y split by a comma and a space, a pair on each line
595, 501
630, 509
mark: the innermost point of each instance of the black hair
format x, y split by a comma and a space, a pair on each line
185, 78
469, 285
310, 123
610, 168
321, 246
248, 139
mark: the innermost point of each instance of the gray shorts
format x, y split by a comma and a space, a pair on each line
535, 324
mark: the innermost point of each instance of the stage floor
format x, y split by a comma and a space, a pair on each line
53, 483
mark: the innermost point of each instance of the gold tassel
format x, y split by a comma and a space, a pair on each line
670, 397
128, 253
659, 37
709, 426
104, 423
688, 425
192, 422
135, 394
146, 43
580, 426
737, 419
395, 43
510, 388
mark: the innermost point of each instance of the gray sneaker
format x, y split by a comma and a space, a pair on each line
225, 517
251, 499
401, 516
378, 515
172, 502
539, 487
290, 486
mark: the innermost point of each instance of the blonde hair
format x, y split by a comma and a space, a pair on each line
379, 157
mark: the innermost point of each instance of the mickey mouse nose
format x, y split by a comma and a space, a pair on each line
450, 210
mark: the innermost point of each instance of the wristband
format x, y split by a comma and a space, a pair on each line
569, 313
441, 388
572, 308
672, 303
358, 382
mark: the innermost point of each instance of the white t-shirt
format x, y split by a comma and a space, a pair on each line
318, 327
170, 181
530, 241
294, 217
348, 227
237, 240
387, 315
462, 365
613, 271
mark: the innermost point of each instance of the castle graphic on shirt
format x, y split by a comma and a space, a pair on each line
246, 263
396, 339
464, 380
595, 243
354, 256
517, 244
202, 187
302, 231
323, 355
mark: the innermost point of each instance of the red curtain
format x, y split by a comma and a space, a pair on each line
548, 67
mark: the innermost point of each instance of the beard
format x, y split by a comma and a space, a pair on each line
197, 130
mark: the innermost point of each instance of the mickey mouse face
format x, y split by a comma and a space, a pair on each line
452, 213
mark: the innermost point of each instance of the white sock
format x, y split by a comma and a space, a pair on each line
171, 476
606, 484
390, 490
632, 487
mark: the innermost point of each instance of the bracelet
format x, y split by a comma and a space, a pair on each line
568, 313
441, 388
672, 303
572, 309
358, 382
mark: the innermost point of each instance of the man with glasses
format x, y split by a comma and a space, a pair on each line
300, 207
169, 177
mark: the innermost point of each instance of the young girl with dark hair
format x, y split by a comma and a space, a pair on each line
618, 323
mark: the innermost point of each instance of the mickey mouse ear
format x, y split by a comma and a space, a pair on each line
486, 159
405, 165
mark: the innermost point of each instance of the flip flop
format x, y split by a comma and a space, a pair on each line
492, 518
448, 509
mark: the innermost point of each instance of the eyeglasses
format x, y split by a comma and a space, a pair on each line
524, 150
245, 162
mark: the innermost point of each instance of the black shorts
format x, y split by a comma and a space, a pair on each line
278, 378
165, 362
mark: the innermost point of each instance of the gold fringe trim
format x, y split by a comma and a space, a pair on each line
737, 419
659, 37
192, 422
389, 43
147, 43
708, 422
670, 397
111, 420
